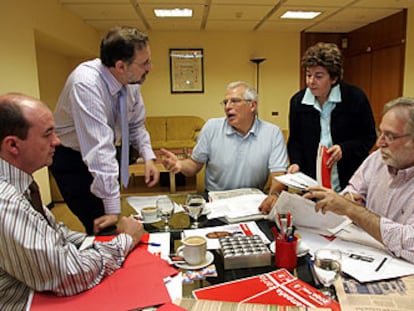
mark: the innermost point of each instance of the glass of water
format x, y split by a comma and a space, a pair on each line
327, 263
165, 209
194, 206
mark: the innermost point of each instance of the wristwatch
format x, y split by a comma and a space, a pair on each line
276, 193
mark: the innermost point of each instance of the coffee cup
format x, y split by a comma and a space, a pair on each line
149, 213
193, 250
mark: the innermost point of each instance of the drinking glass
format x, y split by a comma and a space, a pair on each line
165, 209
327, 263
194, 206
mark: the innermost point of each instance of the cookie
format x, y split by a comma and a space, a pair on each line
217, 234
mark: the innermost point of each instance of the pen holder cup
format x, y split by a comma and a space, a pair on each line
285, 254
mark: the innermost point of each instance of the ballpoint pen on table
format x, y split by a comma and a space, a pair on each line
316, 282
151, 243
381, 264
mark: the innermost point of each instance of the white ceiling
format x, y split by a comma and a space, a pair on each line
236, 15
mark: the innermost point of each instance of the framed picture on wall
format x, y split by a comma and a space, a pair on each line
187, 70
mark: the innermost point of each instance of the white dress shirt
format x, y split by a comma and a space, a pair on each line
87, 121
43, 255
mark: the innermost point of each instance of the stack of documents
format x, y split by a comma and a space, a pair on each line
236, 205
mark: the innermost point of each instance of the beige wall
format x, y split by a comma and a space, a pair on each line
20, 20
41, 43
226, 59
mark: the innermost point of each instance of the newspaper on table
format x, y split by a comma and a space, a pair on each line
391, 295
226, 194
210, 305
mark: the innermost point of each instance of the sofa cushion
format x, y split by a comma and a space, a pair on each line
173, 131
183, 128
157, 128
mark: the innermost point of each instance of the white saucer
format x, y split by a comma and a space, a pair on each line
209, 259
301, 251
151, 221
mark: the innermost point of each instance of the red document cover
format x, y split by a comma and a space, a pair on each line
138, 284
275, 288
323, 173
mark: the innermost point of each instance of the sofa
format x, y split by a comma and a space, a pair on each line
177, 134
173, 132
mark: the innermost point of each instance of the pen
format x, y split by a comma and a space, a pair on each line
289, 217
151, 243
281, 228
381, 264
313, 273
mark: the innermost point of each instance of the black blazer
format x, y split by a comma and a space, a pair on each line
352, 127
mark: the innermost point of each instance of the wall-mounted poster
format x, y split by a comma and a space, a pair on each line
187, 70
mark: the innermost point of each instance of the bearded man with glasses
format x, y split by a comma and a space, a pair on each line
379, 195
239, 150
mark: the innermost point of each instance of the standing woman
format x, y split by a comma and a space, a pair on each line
332, 113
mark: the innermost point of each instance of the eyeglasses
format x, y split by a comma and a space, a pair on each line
389, 138
234, 101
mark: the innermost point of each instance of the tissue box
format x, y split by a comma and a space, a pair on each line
244, 252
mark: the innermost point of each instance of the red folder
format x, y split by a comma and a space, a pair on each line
275, 288
138, 284
323, 172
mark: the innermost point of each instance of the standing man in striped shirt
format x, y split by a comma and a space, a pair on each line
36, 252
379, 197
88, 123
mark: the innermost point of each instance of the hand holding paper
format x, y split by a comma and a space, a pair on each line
303, 211
297, 181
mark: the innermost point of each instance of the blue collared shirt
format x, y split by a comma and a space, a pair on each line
235, 161
325, 119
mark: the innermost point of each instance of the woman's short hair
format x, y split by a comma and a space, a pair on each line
326, 55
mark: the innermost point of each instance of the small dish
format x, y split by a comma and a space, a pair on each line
207, 261
301, 251
151, 221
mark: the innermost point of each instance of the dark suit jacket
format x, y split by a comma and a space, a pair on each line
352, 127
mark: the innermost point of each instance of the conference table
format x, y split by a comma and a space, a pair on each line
181, 221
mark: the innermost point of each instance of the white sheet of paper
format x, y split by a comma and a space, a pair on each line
313, 240
355, 234
236, 207
304, 215
162, 238
364, 271
174, 286
297, 180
